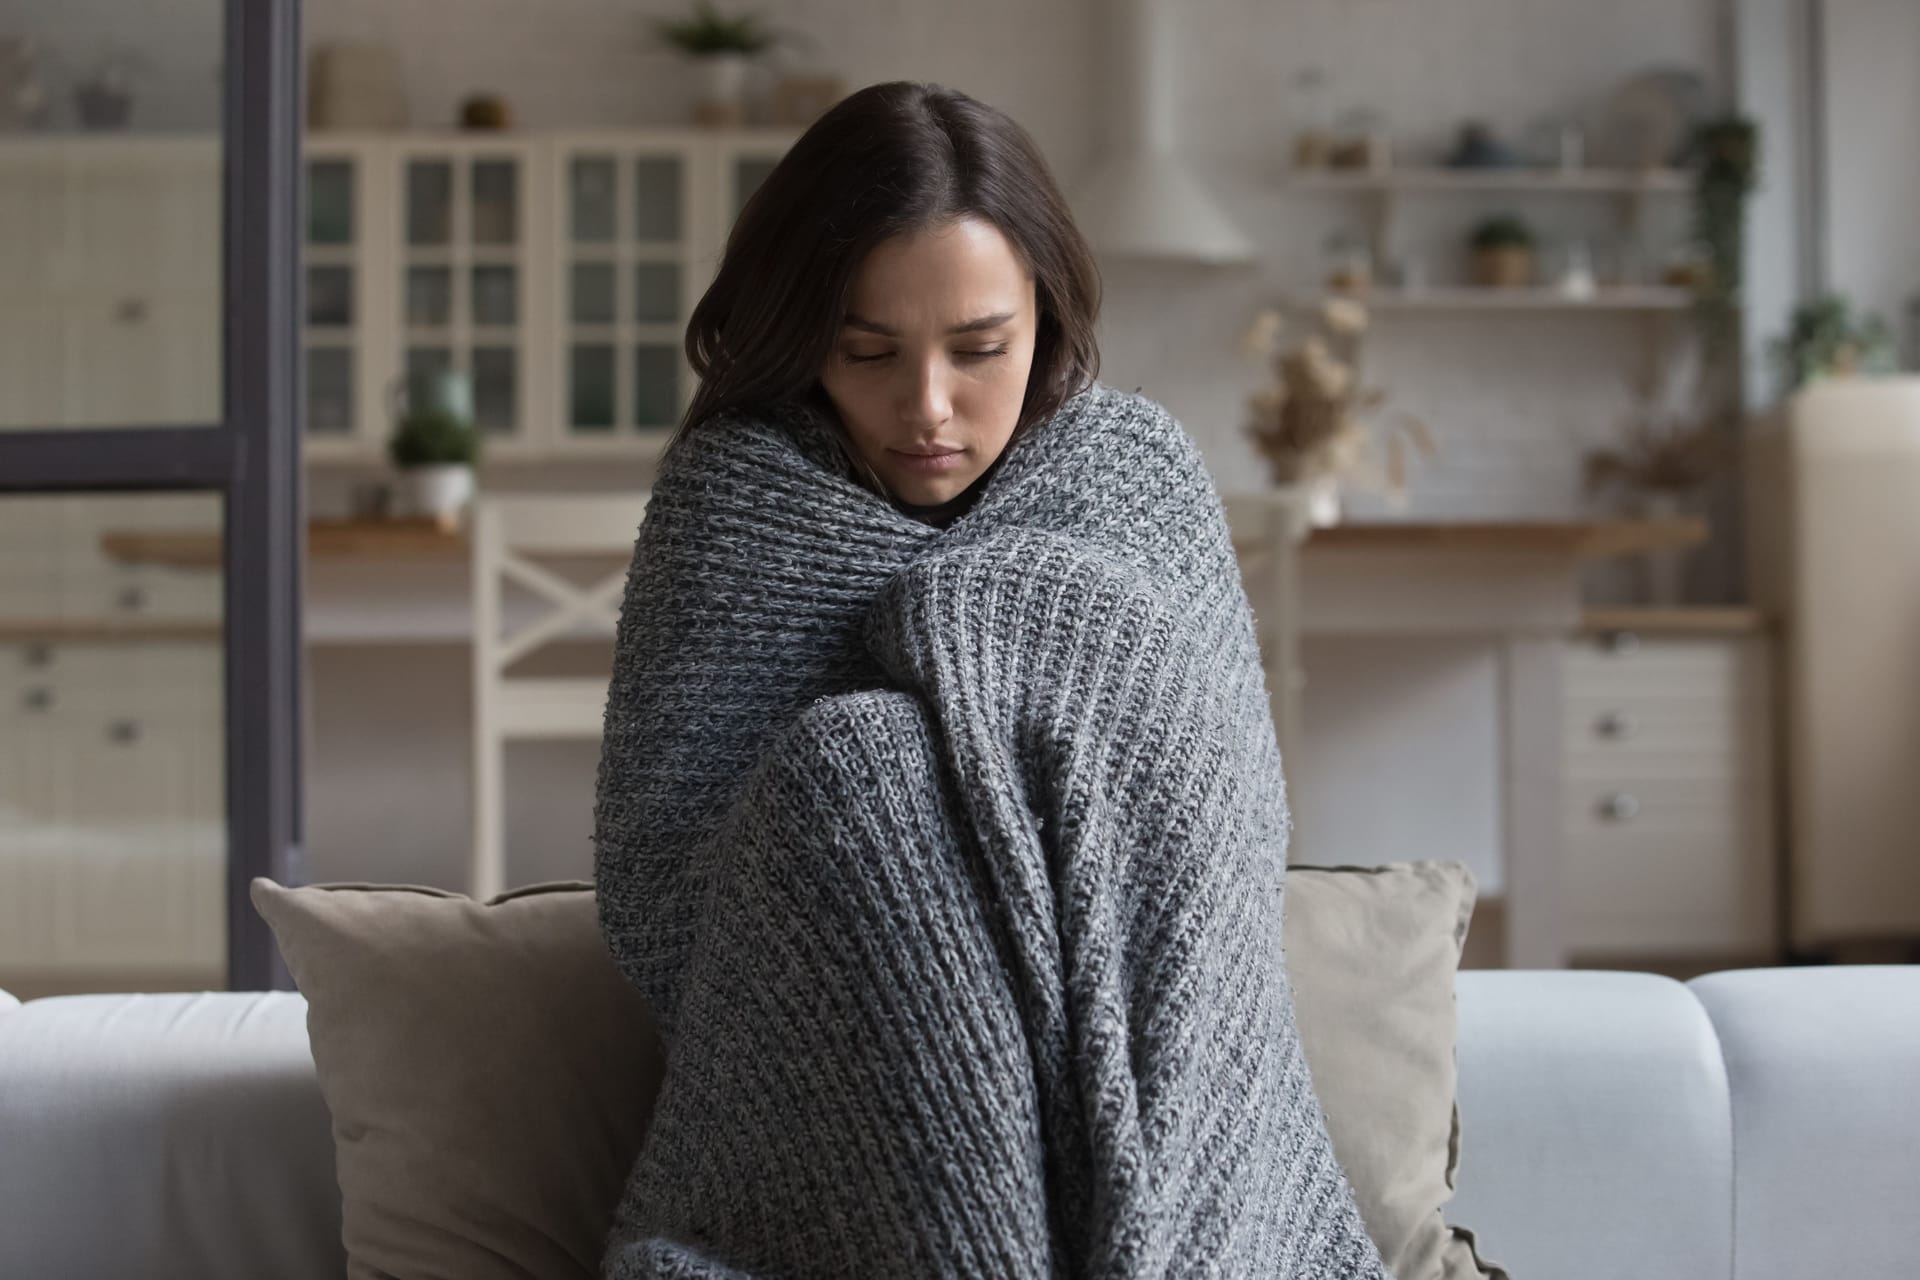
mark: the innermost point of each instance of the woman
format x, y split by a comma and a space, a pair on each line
939, 815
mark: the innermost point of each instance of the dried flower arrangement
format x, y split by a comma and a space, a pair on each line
1659, 456
1311, 424
1669, 448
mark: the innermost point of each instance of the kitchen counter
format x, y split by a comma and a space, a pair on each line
1584, 539
200, 549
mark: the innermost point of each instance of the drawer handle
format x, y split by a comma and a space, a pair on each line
40, 699
39, 654
1621, 643
133, 598
1621, 806
1616, 725
125, 732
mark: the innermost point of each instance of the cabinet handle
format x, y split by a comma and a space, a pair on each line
1621, 643
39, 654
130, 311
124, 732
1621, 806
1616, 725
133, 598
40, 699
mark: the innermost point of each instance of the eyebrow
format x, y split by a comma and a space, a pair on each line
972, 326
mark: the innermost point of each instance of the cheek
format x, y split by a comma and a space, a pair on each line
859, 401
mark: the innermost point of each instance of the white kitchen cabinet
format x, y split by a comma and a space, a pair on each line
112, 810
558, 271
1670, 839
110, 287
633, 247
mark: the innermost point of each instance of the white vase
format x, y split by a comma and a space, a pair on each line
1310, 504
440, 492
1323, 501
726, 81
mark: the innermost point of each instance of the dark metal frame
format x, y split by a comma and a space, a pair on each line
251, 457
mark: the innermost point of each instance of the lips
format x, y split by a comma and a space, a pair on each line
939, 460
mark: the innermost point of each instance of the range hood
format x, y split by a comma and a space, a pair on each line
1139, 201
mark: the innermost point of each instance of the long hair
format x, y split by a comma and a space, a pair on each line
892, 159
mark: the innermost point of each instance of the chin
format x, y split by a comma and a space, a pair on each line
924, 493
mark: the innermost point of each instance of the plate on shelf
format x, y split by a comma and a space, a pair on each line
1650, 120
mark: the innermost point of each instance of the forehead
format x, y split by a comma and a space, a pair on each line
968, 263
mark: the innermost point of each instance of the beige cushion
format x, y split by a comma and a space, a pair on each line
490, 1074
1371, 952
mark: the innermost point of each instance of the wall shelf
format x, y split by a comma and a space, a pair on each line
1510, 181
1471, 298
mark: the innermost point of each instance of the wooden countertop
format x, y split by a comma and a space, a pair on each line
105, 631
1585, 539
197, 549
1677, 619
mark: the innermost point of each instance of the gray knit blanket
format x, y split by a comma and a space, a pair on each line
951, 863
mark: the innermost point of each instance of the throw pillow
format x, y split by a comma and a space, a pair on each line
1371, 953
490, 1074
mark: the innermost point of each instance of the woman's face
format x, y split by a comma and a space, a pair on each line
930, 366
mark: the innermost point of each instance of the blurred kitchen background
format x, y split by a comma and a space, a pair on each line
1547, 355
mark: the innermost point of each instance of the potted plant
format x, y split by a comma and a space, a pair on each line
1503, 253
1826, 340
723, 46
435, 447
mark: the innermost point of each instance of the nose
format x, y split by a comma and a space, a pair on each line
928, 400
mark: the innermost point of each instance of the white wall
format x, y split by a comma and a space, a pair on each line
1872, 81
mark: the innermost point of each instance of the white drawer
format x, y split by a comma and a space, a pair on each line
1599, 729
1719, 668
1669, 864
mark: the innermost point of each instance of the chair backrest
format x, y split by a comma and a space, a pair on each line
507, 534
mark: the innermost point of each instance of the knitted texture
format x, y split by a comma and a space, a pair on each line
951, 863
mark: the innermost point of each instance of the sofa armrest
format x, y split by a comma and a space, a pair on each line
1594, 1126
8, 1002
163, 1136
1825, 1069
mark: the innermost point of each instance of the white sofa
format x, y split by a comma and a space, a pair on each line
1760, 1125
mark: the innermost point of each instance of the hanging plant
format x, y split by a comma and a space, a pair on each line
1727, 152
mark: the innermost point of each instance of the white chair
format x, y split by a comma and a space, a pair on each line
505, 533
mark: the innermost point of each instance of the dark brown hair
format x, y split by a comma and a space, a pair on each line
892, 159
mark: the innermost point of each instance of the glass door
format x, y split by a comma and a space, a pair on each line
150, 513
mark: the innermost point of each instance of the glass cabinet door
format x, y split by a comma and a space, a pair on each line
463, 238
336, 285
628, 228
